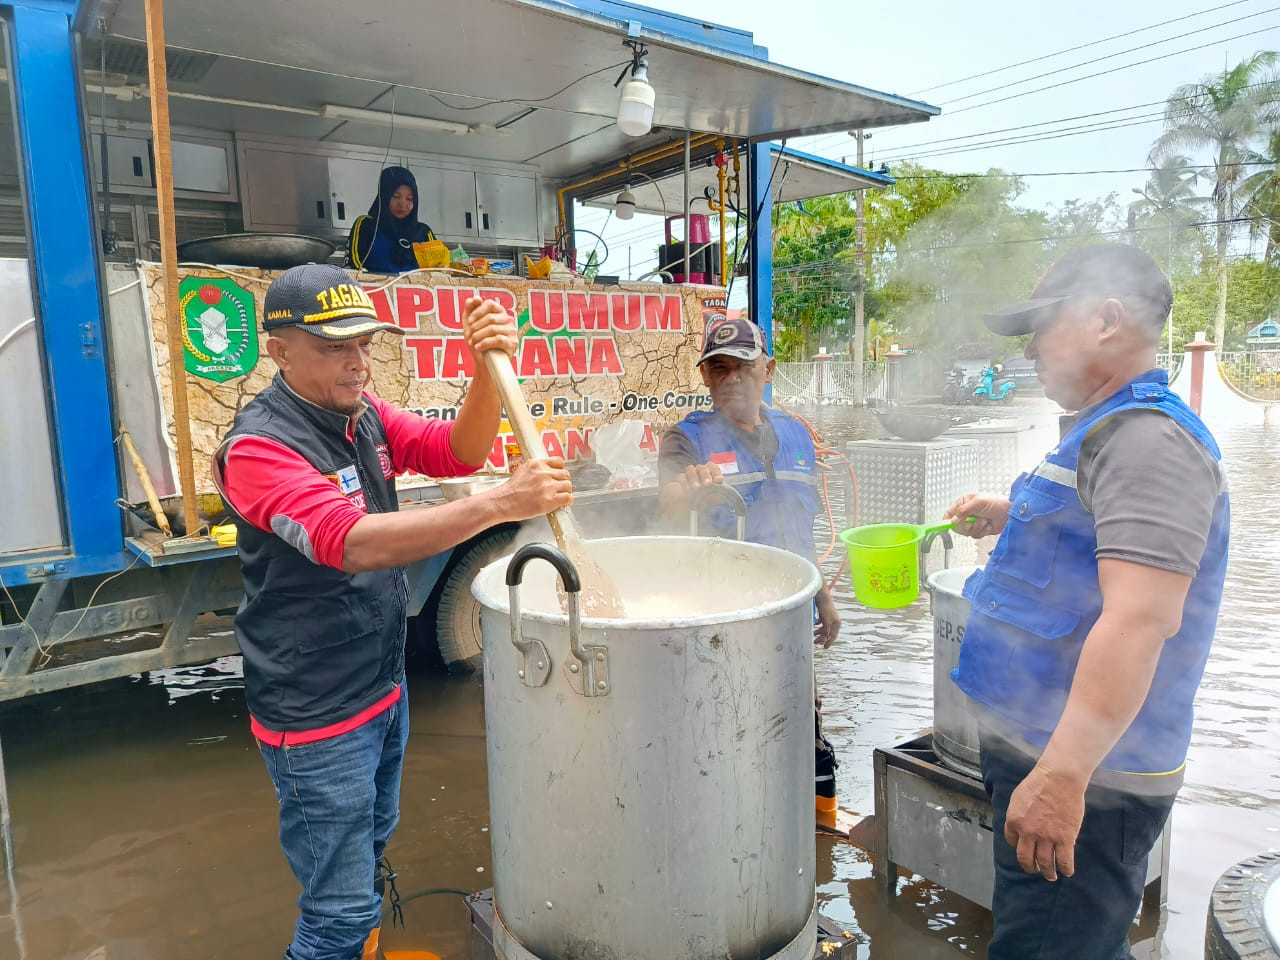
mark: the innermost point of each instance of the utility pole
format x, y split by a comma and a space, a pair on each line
859, 315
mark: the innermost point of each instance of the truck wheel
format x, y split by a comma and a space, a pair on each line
455, 611
1236, 929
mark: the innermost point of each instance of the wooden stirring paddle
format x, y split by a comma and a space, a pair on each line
600, 596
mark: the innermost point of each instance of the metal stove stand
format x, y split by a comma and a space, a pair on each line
936, 823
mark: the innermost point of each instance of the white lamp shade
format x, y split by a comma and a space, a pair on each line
624, 208
635, 106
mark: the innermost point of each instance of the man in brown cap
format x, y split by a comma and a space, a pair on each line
769, 458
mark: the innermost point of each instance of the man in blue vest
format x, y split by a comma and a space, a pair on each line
309, 471
1092, 620
769, 458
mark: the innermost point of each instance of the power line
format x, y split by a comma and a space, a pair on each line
1103, 73
1085, 63
818, 144
820, 264
1037, 138
1083, 46
1027, 126
1071, 173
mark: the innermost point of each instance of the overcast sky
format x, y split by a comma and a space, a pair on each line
925, 49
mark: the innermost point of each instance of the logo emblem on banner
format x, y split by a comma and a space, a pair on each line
219, 328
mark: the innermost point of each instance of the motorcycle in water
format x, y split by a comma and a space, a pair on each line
989, 389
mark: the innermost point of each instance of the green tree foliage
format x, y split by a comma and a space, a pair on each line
1228, 116
1165, 217
1253, 295
814, 276
1263, 207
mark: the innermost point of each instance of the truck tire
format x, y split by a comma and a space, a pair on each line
1236, 928
451, 607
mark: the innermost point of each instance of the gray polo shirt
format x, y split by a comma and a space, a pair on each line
1151, 488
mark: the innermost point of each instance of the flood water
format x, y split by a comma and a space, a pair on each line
144, 822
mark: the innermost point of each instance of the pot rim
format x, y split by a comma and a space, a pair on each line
805, 594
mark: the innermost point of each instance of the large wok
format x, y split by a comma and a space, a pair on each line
268, 251
913, 426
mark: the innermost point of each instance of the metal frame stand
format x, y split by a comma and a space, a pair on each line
935, 822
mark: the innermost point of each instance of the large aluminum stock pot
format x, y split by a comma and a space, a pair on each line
651, 778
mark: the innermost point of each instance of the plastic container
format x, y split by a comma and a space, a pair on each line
884, 562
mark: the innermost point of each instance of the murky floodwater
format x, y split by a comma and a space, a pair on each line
144, 822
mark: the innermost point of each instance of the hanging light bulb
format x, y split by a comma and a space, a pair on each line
624, 208
635, 104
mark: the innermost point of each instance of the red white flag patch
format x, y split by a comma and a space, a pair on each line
727, 462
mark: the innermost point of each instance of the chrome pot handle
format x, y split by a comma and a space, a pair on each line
537, 664
722, 491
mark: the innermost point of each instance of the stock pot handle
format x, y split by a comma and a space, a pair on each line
722, 491
536, 667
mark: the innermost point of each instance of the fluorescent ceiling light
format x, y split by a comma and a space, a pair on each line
335, 111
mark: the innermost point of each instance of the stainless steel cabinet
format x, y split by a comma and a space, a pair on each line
447, 201
464, 205
129, 160
353, 184
284, 191
507, 207
323, 190
201, 167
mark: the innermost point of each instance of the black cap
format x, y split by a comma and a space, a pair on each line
733, 338
1103, 270
322, 300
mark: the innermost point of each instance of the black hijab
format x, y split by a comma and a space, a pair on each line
402, 234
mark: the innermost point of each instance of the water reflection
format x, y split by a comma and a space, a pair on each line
144, 822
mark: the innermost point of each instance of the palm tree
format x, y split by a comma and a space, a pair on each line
1169, 199
1229, 115
1263, 209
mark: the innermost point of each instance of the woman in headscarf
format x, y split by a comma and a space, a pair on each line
382, 240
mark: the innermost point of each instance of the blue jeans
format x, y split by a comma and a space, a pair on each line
339, 803
1082, 917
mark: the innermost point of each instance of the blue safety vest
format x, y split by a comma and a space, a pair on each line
781, 497
1038, 597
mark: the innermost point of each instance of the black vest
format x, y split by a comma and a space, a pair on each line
319, 644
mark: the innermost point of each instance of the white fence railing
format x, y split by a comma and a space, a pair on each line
826, 382
1256, 374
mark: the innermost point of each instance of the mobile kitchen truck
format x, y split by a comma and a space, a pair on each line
282, 115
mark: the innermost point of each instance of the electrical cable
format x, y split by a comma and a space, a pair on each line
1023, 126
1034, 138
754, 223
1083, 46
525, 100
820, 145
5, 340
817, 266
1085, 63
436, 891
46, 653
905, 151
599, 240
1103, 73
1074, 173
